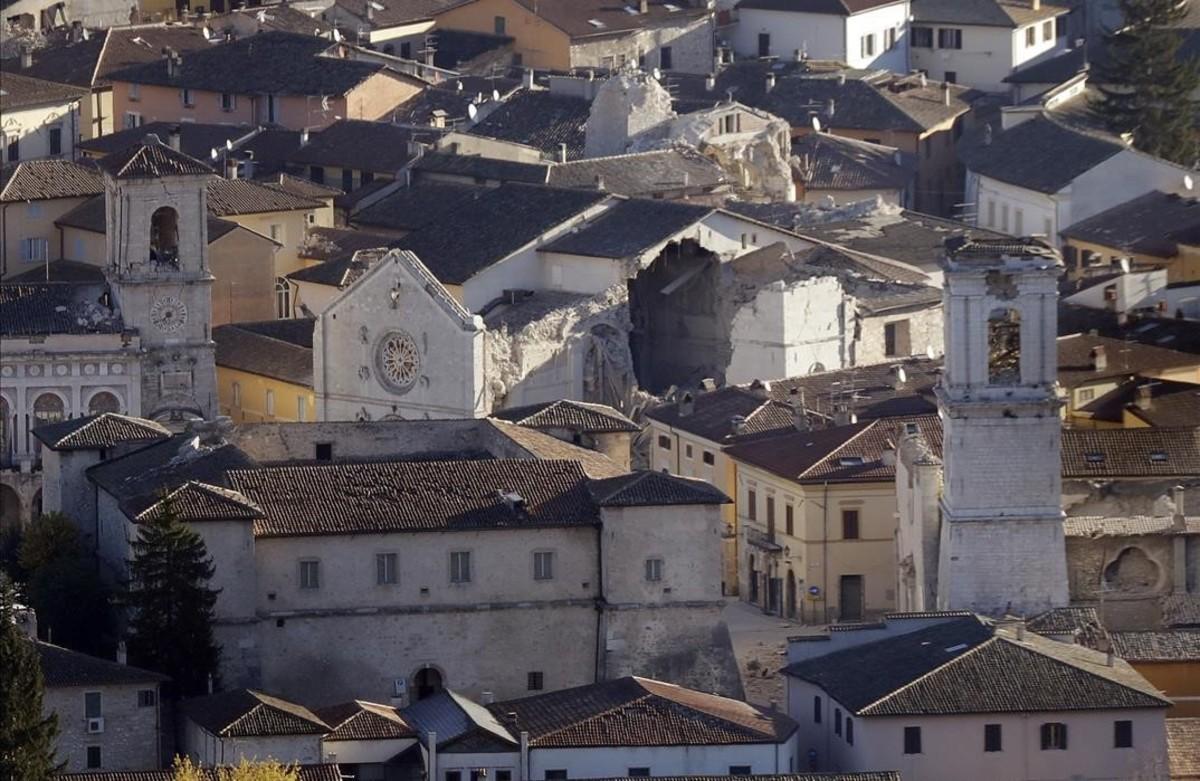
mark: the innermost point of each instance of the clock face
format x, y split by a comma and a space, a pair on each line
168, 314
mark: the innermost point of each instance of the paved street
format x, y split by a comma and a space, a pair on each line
759, 642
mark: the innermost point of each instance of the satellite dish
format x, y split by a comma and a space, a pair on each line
929, 352
1187, 181
1124, 265
495, 94
337, 35
816, 123
229, 144
901, 375
472, 112
86, 34
213, 153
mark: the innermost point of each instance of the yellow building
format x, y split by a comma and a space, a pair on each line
1153, 231
817, 518
1170, 661
264, 370
33, 195
1090, 367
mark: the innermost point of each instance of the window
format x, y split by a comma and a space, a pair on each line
556, 775
347, 179
365, 178
93, 705
14, 149
237, 394
709, 458
912, 740
1031, 36
850, 730
56, 140
1004, 217
276, 231
1018, 221
228, 101
310, 573
816, 709
385, 569
837, 721
503, 775
638, 772
771, 518
147, 698
896, 341
543, 565
1048, 30
1123, 734
164, 235
460, 566
283, 298
789, 520
316, 174
991, 218
1054, 736
740, 770
949, 38
764, 44
687, 451
270, 108
185, 97
664, 58
270, 402
664, 442
301, 408
34, 250
324, 451
132, 120
499, 25
135, 92
654, 570
922, 37
752, 504
889, 39
93, 757
992, 738
849, 524
866, 45
951, 78
453, 775
406, 51
535, 681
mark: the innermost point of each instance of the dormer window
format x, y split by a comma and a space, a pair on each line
1159, 457
851, 461
599, 25
1094, 458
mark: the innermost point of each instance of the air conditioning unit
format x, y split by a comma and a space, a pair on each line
95, 725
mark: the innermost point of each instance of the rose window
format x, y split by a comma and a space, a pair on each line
399, 360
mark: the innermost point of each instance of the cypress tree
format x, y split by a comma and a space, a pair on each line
171, 604
1146, 86
26, 737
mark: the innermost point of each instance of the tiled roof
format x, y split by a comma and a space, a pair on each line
1179, 646
330, 772
1065, 620
1125, 452
713, 413
454, 717
1181, 610
479, 167
836, 7
271, 62
629, 712
414, 496
196, 139
539, 119
629, 228
358, 720
242, 196
280, 17
305, 188
966, 665
1143, 225
411, 208
280, 349
150, 158
91, 216
195, 501
828, 162
342, 271
380, 147
1168, 332
390, 13
1183, 736
63, 667
1055, 70
339, 244
1093, 526
985, 13
245, 713
575, 18
582, 416
870, 775
1170, 403
21, 92
544, 446
649, 489
55, 308
500, 221
1040, 154
97, 432
1075, 360
643, 173
38, 180
73, 271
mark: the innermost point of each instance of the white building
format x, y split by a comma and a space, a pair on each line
980, 42
41, 118
955, 696
861, 33
242, 724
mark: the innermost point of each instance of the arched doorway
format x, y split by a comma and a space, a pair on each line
791, 595
103, 402
426, 683
10, 511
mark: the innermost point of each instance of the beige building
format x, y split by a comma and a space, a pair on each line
32, 196
1091, 366
40, 118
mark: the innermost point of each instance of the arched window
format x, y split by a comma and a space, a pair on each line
48, 408
283, 298
164, 235
1004, 347
426, 683
103, 402
5, 432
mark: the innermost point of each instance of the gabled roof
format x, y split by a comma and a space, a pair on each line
537, 444
984, 13
453, 717
390, 13
481, 167
359, 720
582, 416
632, 711
416, 496
629, 228
271, 62
1065, 620
246, 713
339, 244
589, 18
196, 139
459, 245
62, 667
1178, 646
713, 413
98, 432
39, 180
1135, 329
1145, 225
1054, 70
1156, 402
835, 7
280, 17
968, 665
829, 162
1183, 735
150, 158
1076, 365
242, 196
650, 489
380, 147
196, 501
642, 173
280, 349
20, 92
91, 216
413, 207
1130, 452
1040, 154
56, 308
329, 772
539, 119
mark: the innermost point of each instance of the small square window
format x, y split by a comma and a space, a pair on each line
147, 698
654, 570
386, 573
556, 775
535, 681
1054, 736
460, 567
638, 772
310, 573
324, 451
740, 770
543, 565
93, 758
664, 442
709, 458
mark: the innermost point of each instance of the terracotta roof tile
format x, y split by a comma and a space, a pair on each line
1140, 452
96, 432
56, 308
63, 667
1157, 646
1076, 363
197, 501
1183, 738
151, 159
21, 91
329, 772
358, 720
539, 119
243, 196
245, 713
582, 416
651, 489
38, 180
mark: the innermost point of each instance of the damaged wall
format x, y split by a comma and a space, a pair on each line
690, 41
918, 332
628, 104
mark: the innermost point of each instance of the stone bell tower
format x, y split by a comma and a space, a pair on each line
157, 232
1002, 547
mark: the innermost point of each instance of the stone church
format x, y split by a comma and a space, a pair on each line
136, 343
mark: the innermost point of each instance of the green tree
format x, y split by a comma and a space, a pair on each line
1146, 85
267, 770
26, 737
62, 584
171, 604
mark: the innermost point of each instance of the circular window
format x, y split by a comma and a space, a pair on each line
398, 359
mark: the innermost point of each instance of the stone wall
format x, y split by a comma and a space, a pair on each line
129, 740
1030, 576
691, 43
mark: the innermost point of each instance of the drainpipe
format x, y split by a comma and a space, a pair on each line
431, 762
3, 239
825, 555
601, 604
523, 772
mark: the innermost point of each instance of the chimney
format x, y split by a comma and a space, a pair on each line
173, 137
370, 12
687, 405
923, 79
429, 56
76, 31
710, 82
842, 416
487, 698
888, 456
599, 182
643, 6
761, 389
770, 81
1021, 630
1110, 658
523, 773
562, 153
830, 107
1145, 396
122, 655
304, 137
738, 424
1036, 5
172, 64
1178, 519
841, 78
210, 683
437, 118
1099, 358
527, 78
708, 385
231, 164
987, 134
26, 58
946, 93
798, 55
799, 409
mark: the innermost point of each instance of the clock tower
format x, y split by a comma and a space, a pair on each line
157, 233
